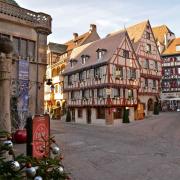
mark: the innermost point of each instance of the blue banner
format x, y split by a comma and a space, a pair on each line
23, 100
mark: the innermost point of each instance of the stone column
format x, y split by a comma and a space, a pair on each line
5, 77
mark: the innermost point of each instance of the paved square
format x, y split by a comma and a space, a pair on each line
142, 150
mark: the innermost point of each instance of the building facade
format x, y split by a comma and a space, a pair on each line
28, 31
108, 76
57, 60
170, 94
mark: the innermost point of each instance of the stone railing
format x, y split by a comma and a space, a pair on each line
37, 20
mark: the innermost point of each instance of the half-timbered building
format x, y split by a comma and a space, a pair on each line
102, 79
146, 50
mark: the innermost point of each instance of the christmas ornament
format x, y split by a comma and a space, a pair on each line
61, 169
55, 150
38, 178
14, 165
30, 172
20, 136
8, 144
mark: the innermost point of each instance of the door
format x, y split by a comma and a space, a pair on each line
88, 116
73, 115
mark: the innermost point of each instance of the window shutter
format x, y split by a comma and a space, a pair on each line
128, 73
121, 93
90, 93
126, 93
80, 95
113, 71
95, 93
112, 93
135, 93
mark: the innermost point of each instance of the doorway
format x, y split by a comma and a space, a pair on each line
73, 115
88, 116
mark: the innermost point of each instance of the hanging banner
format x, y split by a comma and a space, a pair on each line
23, 91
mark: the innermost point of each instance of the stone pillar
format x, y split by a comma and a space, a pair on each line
5, 78
109, 116
5, 74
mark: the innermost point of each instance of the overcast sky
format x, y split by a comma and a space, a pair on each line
109, 15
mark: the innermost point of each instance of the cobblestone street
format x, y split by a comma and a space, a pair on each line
142, 150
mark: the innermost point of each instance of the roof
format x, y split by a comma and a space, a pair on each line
109, 43
57, 48
10, 2
171, 49
160, 31
80, 39
135, 32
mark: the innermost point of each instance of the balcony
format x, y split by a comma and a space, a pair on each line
26, 17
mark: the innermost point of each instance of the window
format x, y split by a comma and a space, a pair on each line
82, 76
130, 93
16, 45
84, 58
178, 70
154, 83
79, 113
178, 58
177, 47
23, 48
146, 82
72, 95
116, 92
146, 64
148, 48
132, 73
69, 80
100, 113
97, 73
100, 93
31, 50
126, 54
147, 35
119, 72
73, 62
100, 53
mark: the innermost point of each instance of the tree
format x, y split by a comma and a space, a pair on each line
22, 167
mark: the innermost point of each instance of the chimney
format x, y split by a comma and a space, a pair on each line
92, 27
75, 36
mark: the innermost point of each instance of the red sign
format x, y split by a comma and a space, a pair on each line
40, 136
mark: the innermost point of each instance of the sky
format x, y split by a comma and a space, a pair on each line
75, 16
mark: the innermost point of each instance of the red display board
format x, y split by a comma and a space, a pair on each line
40, 135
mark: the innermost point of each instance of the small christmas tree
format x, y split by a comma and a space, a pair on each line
26, 167
156, 108
126, 116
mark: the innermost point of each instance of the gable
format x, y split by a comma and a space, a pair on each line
147, 46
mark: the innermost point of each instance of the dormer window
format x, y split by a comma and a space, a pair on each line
73, 62
84, 58
100, 53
